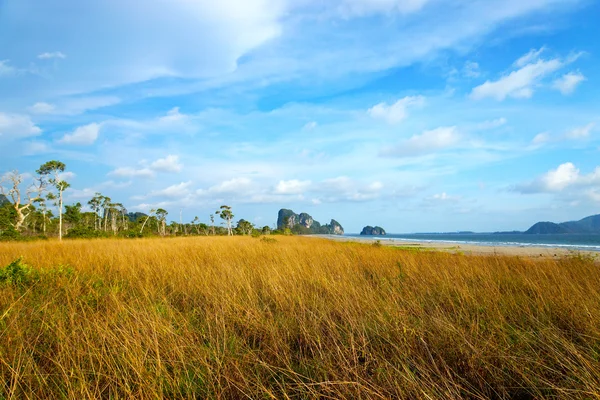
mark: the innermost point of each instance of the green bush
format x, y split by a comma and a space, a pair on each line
18, 273
132, 234
9, 234
83, 232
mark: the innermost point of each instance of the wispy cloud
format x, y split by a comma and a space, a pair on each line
396, 112
15, 126
82, 136
169, 164
581, 132
6, 69
427, 142
51, 55
568, 82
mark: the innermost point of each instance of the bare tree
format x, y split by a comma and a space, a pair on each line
96, 205
53, 169
212, 224
22, 207
147, 218
161, 214
106, 202
41, 201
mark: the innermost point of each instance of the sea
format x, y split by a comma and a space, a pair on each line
576, 242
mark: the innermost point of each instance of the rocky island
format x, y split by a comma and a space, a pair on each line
304, 224
372, 231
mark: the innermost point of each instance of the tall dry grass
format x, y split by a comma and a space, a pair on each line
297, 318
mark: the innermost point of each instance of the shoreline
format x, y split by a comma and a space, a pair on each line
465, 248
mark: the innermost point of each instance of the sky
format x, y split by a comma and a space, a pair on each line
415, 115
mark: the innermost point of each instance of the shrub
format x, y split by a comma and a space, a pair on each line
9, 234
18, 273
83, 232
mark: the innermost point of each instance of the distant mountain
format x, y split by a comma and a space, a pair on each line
134, 216
305, 224
373, 231
589, 224
3, 200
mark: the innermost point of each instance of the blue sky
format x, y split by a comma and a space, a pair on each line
416, 115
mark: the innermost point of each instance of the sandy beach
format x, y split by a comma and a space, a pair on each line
528, 251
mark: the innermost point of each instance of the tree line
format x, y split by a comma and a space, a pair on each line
36, 210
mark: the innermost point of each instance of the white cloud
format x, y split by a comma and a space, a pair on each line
82, 136
174, 191
168, 164
173, 116
519, 83
427, 142
36, 147
293, 186
396, 112
471, 69
42, 108
66, 176
74, 105
128, 172
531, 57
568, 82
566, 176
359, 8
148, 43
50, 55
491, 124
5, 69
229, 187
541, 138
581, 132
16, 126
442, 198
343, 189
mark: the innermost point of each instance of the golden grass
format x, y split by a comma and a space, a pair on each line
219, 317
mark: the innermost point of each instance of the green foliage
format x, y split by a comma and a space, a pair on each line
133, 234
18, 273
9, 234
84, 232
256, 233
73, 213
7, 216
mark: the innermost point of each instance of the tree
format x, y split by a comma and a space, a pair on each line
22, 209
225, 213
73, 214
147, 218
162, 218
96, 205
106, 205
51, 170
41, 201
245, 227
212, 224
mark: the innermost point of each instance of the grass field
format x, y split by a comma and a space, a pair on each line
222, 317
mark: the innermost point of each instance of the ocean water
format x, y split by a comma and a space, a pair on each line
584, 242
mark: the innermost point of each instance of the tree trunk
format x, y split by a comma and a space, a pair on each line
60, 206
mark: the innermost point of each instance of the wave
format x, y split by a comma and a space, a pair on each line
568, 246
